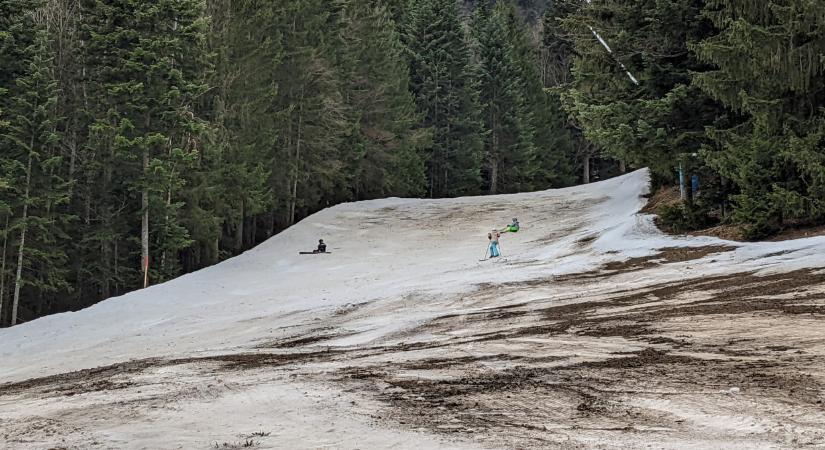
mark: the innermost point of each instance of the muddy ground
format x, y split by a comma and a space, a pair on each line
729, 361
742, 350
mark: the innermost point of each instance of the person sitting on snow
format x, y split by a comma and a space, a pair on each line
322, 248
513, 227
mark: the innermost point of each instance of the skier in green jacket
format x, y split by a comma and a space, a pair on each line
513, 227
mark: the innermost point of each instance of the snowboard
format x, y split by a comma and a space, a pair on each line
314, 253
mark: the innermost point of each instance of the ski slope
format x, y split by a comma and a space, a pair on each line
318, 351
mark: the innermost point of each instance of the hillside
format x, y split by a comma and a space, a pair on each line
593, 330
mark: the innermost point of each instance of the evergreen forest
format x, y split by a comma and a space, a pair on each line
144, 139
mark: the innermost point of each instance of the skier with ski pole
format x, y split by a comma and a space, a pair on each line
493, 237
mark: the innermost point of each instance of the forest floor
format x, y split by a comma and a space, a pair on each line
600, 333
669, 196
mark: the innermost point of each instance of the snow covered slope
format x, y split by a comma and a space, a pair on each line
380, 249
319, 350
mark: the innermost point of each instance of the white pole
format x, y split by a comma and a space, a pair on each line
610, 51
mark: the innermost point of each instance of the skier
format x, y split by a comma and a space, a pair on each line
493, 237
513, 227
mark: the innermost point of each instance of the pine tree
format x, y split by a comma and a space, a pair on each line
230, 182
768, 70
557, 55
508, 120
145, 61
308, 108
37, 190
441, 79
387, 159
553, 147
661, 120
558, 44
16, 36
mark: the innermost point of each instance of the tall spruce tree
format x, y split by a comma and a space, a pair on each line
231, 186
768, 69
441, 78
384, 145
17, 32
662, 119
552, 142
36, 228
145, 62
310, 109
558, 45
556, 66
508, 120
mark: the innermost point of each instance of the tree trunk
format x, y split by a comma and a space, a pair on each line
622, 167
434, 157
105, 255
106, 214
249, 222
586, 169
38, 310
166, 221
87, 207
239, 229
72, 162
493, 153
724, 205
3, 269
297, 170
144, 224
445, 180
115, 262
494, 176
270, 224
253, 232
19, 277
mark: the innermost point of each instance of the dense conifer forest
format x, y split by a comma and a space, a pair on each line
144, 139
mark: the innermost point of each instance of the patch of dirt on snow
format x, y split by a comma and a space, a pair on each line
521, 402
81, 381
557, 383
557, 235
580, 365
306, 339
116, 376
667, 255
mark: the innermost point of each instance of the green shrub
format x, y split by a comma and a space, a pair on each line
685, 217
